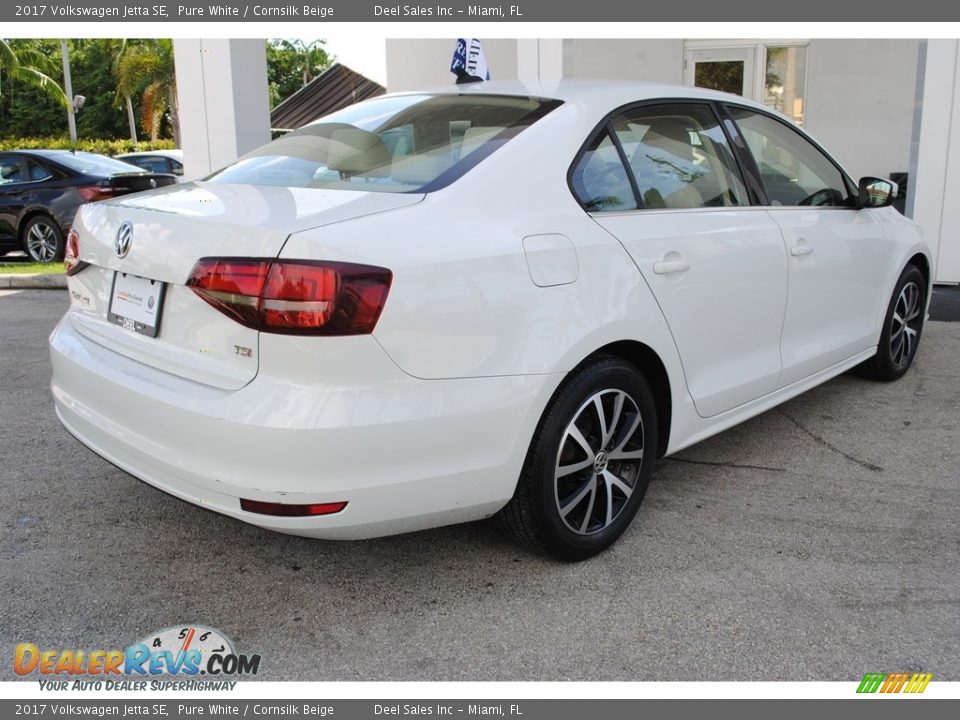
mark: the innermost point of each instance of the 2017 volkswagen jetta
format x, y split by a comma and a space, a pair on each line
431, 308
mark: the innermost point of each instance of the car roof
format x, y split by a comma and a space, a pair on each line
605, 92
170, 153
53, 155
47, 153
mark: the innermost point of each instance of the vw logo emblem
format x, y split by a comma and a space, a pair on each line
123, 239
600, 462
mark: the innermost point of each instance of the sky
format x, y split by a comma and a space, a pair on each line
365, 55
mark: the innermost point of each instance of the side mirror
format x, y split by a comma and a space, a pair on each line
877, 193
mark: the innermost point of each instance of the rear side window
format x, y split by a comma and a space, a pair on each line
600, 180
405, 143
679, 157
38, 172
793, 170
151, 163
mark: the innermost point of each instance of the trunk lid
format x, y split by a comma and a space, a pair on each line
172, 228
125, 183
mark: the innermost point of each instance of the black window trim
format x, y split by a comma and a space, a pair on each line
606, 125
755, 170
743, 157
625, 161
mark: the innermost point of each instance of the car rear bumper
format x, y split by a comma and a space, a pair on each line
405, 454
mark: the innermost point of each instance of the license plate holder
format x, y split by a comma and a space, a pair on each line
136, 303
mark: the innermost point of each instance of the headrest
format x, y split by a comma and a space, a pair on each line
10, 171
354, 152
422, 168
478, 135
671, 136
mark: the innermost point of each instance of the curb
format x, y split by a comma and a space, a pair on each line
25, 281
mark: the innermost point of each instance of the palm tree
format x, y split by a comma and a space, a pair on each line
149, 65
313, 56
31, 67
118, 47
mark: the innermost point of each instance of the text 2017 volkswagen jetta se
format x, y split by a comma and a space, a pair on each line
430, 308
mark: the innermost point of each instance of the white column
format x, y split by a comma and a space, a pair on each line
223, 101
540, 60
935, 182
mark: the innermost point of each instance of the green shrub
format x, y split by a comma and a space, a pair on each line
104, 147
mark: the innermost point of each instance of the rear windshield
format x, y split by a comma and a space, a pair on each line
408, 143
93, 164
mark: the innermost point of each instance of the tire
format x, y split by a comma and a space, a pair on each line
560, 472
43, 239
899, 339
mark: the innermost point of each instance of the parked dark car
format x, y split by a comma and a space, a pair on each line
161, 161
40, 191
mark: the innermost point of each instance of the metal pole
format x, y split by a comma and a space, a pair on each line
68, 88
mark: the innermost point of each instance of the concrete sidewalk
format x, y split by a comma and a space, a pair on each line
33, 281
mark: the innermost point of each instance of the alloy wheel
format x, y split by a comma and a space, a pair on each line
905, 325
598, 462
42, 242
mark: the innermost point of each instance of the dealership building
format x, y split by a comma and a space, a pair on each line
882, 107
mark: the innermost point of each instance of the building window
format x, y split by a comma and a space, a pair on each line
785, 80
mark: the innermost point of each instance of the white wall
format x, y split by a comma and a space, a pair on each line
937, 176
651, 60
860, 102
418, 63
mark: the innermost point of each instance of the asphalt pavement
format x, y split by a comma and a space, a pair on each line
818, 541
945, 303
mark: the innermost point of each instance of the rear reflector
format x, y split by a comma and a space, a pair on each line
285, 510
294, 297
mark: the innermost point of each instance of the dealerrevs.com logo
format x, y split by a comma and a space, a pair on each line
887, 683
187, 652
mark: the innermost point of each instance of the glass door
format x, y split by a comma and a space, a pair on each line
728, 70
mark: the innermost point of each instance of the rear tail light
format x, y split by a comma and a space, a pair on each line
100, 191
290, 510
71, 258
294, 297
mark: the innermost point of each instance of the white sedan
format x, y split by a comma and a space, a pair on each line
431, 308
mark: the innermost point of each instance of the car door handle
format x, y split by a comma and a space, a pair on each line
801, 250
665, 267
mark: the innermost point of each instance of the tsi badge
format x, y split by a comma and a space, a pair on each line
123, 239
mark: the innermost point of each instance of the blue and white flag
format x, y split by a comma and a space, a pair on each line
469, 63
